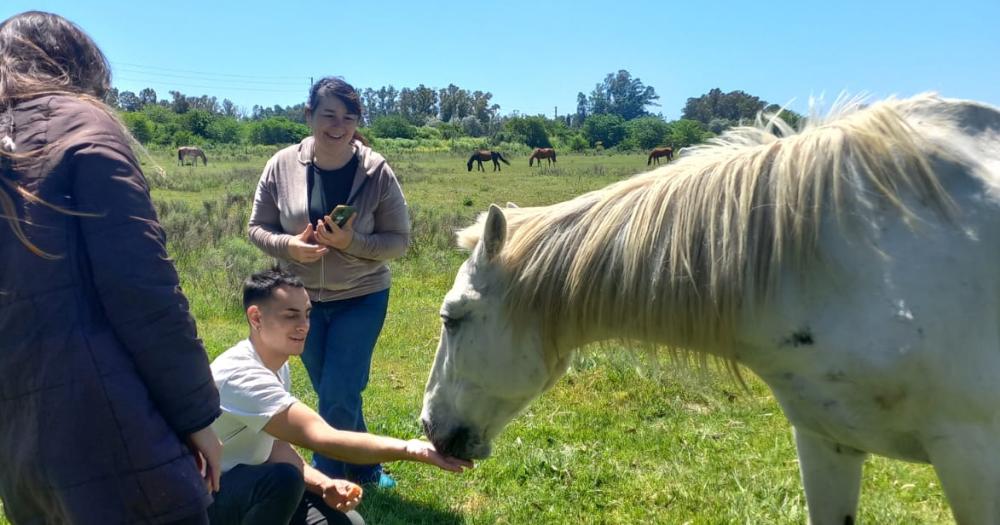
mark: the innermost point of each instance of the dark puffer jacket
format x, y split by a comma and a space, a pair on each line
101, 371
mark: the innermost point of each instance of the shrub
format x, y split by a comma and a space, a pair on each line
646, 133
277, 130
607, 129
393, 127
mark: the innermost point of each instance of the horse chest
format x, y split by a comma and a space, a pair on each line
850, 406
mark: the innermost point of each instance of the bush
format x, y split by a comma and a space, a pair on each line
686, 132
226, 130
529, 130
393, 127
139, 126
646, 133
607, 129
577, 143
277, 130
471, 126
427, 132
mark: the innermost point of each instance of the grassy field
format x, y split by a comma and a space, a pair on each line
616, 441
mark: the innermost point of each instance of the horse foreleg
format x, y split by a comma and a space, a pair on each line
966, 461
831, 475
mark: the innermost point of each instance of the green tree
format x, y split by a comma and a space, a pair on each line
622, 95
179, 103
139, 126
528, 130
184, 138
607, 129
197, 121
482, 108
147, 96
224, 130
111, 98
733, 106
418, 105
646, 132
127, 101
686, 132
229, 109
790, 117
277, 130
393, 126
581, 110
454, 102
577, 142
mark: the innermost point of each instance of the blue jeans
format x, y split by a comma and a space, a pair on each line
338, 357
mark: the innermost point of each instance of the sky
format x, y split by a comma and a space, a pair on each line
535, 56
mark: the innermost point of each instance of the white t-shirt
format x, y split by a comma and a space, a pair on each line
250, 394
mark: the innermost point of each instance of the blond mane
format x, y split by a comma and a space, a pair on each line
673, 256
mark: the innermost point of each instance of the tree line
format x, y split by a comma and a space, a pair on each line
616, 114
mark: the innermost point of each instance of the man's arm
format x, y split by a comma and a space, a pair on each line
302, 426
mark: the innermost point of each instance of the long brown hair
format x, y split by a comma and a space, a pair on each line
338, 87
42, 54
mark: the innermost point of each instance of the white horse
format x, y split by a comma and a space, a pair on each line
854, 266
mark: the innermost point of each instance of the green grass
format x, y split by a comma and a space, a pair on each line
616, 441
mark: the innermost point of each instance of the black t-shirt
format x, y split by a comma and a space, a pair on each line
336, 187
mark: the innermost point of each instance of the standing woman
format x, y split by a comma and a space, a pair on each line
106, 396
345, 269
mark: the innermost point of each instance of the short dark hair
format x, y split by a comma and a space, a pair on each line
260, 286
337, 87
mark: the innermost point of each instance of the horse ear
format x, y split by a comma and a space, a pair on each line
494, 233
511, 205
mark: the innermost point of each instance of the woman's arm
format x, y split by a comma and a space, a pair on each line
391, 235
136, 282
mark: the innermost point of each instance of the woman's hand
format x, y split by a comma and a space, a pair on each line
303, 247
329, 234
423, 451
341, 494
207, 450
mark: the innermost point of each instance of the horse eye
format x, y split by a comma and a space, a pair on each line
449, 323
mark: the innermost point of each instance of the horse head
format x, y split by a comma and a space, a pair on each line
485, 372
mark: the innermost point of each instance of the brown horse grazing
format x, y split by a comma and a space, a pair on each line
186, 152
485, 154
542, 153
667, 152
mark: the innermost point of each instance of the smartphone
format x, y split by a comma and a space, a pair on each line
341, 214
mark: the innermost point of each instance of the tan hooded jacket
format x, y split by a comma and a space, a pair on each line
381, 228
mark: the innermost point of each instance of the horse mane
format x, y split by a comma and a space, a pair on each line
672, 256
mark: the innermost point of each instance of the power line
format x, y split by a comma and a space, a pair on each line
169, 84
205, 73
191, 77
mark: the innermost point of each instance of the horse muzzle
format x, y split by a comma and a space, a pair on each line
458, 441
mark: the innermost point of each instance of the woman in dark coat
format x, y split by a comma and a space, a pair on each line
106, 396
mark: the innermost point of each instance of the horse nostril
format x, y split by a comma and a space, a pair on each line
457, 443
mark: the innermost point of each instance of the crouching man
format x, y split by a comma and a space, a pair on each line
264, 479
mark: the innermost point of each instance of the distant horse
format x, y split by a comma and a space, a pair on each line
186, 152
485, 154
542, 153
655, 155
853, 266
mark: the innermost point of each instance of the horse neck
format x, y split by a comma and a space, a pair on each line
587, 283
